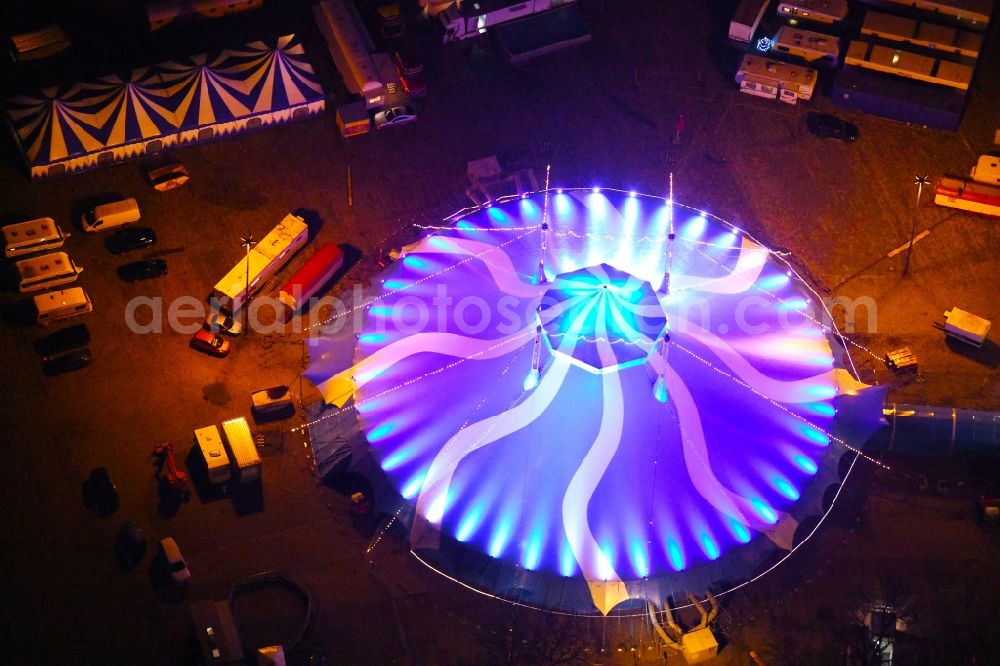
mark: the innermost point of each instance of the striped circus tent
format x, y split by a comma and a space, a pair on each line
116, 118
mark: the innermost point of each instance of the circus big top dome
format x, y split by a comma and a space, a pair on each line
587, 398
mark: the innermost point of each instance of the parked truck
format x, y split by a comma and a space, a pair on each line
315, 273
264, 260
242, 450
470, 19
746, 18
351, 49
208, 441
967, 194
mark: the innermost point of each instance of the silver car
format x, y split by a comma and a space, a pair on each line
396, 115
176, 564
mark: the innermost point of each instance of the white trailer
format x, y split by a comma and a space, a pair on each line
469, 19
46, 270
966, 327
746, 18
33, 236
987, 168
820, 11
63, 304
808, 45
213, 452
765, 77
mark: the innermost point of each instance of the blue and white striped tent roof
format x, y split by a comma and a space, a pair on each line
121, 113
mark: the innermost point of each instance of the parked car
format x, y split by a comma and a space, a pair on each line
143, 269
130, 238
68, 362
414, 85
176, 564
396, 115
211, 343
130, 545
219, 322
62, 340
99, 493
827, 126
410, 69
166, 177
988, 510
407, 59
392, 23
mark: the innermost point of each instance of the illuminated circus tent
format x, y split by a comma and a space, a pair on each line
591, 398
199, 98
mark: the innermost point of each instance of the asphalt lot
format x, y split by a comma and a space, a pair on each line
600, 114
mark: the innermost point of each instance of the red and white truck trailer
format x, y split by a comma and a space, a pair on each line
315, 273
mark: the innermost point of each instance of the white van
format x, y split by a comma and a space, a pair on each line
47, 270
33, 236
65, 304
110, 215
213, 452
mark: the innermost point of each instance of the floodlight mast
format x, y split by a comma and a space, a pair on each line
247, 242
540, 278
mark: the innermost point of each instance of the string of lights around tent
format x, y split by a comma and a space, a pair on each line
359, 404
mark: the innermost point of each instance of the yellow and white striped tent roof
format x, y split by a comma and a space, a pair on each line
161, 100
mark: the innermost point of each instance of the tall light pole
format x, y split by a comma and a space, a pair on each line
247, 242
919, 181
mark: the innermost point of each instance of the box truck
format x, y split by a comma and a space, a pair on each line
308, 280
242, 450
209, 444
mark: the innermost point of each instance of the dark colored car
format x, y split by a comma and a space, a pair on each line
414, 85
142, 270
392, 23
130, 545
62, 340
130, 238
826, 126
99, 493
211, 343
68, 362
407, 60
410, 69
